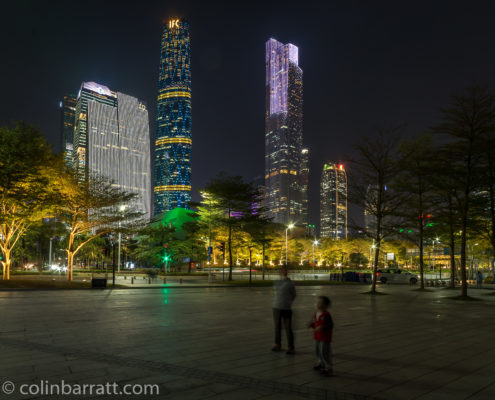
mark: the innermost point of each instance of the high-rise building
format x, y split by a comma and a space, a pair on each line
173, 146
333, 202
286, 166
67, 114
112, 139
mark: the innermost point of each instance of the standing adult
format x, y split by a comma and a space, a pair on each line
285, 293
479, 279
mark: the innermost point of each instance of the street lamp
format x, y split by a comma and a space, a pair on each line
290, 226
315, 243
121, 209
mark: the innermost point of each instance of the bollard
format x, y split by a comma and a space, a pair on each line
180, 281
125, 276
132, 280
165, 281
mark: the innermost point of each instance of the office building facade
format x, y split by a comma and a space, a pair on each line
67, 114
111, 139
333, 202
173, 146
286, 160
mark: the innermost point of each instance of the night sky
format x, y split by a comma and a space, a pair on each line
365, 64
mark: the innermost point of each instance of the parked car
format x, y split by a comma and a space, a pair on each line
395, 275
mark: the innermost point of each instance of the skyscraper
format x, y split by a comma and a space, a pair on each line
67, 114
111, 139
173, 146
333, 202
286, 165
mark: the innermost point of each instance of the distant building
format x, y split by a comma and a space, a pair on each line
112, 139
67, 114
173, 146
333, 202
286, 161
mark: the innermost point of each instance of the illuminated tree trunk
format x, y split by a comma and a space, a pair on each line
6, 265
70, 263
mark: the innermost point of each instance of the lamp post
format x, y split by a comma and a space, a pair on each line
121, 209
315, 243
290, 226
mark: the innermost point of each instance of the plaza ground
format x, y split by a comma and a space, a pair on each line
214, 343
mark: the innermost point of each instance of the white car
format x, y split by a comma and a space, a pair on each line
394, 275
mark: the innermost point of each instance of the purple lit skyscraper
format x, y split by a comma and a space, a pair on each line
285, 158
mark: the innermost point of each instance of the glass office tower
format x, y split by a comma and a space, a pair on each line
333, 202
173, 146
286, 161
112, 139
68, 113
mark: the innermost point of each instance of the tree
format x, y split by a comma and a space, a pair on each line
90, 209
27, 190
151, 242
262, 232
445, 188
372, 175
466, 123
234, 199
414, 182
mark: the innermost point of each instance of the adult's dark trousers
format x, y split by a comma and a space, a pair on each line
283, 317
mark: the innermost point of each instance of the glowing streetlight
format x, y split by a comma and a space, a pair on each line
290, 226
315, 243
121, 209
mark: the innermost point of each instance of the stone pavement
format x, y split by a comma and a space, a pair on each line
214, 343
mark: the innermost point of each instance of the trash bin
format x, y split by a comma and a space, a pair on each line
98, 283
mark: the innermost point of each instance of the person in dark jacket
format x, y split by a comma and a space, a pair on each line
322, 325
285, 293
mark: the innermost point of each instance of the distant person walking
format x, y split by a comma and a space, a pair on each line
479, 279
285, 293
322, 325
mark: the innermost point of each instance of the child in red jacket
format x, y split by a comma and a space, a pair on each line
322, 325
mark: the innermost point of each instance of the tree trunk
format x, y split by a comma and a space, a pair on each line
250, 266
263, 261
70, 265
375, 266
453, 270
230, 249
6, 265
421, 255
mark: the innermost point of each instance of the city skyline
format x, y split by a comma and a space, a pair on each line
362, 70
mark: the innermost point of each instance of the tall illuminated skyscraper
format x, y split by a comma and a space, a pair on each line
173, 146
286, 161
112, 139
68, 113
333, 202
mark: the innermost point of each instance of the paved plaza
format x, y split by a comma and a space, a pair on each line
214, 343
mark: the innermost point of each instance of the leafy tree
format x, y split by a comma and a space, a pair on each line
90, 209
233, 200
151, 242
262, 232
26, 185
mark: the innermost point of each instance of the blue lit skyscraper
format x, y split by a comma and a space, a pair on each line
173, 136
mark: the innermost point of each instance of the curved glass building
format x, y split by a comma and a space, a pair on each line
173, 144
